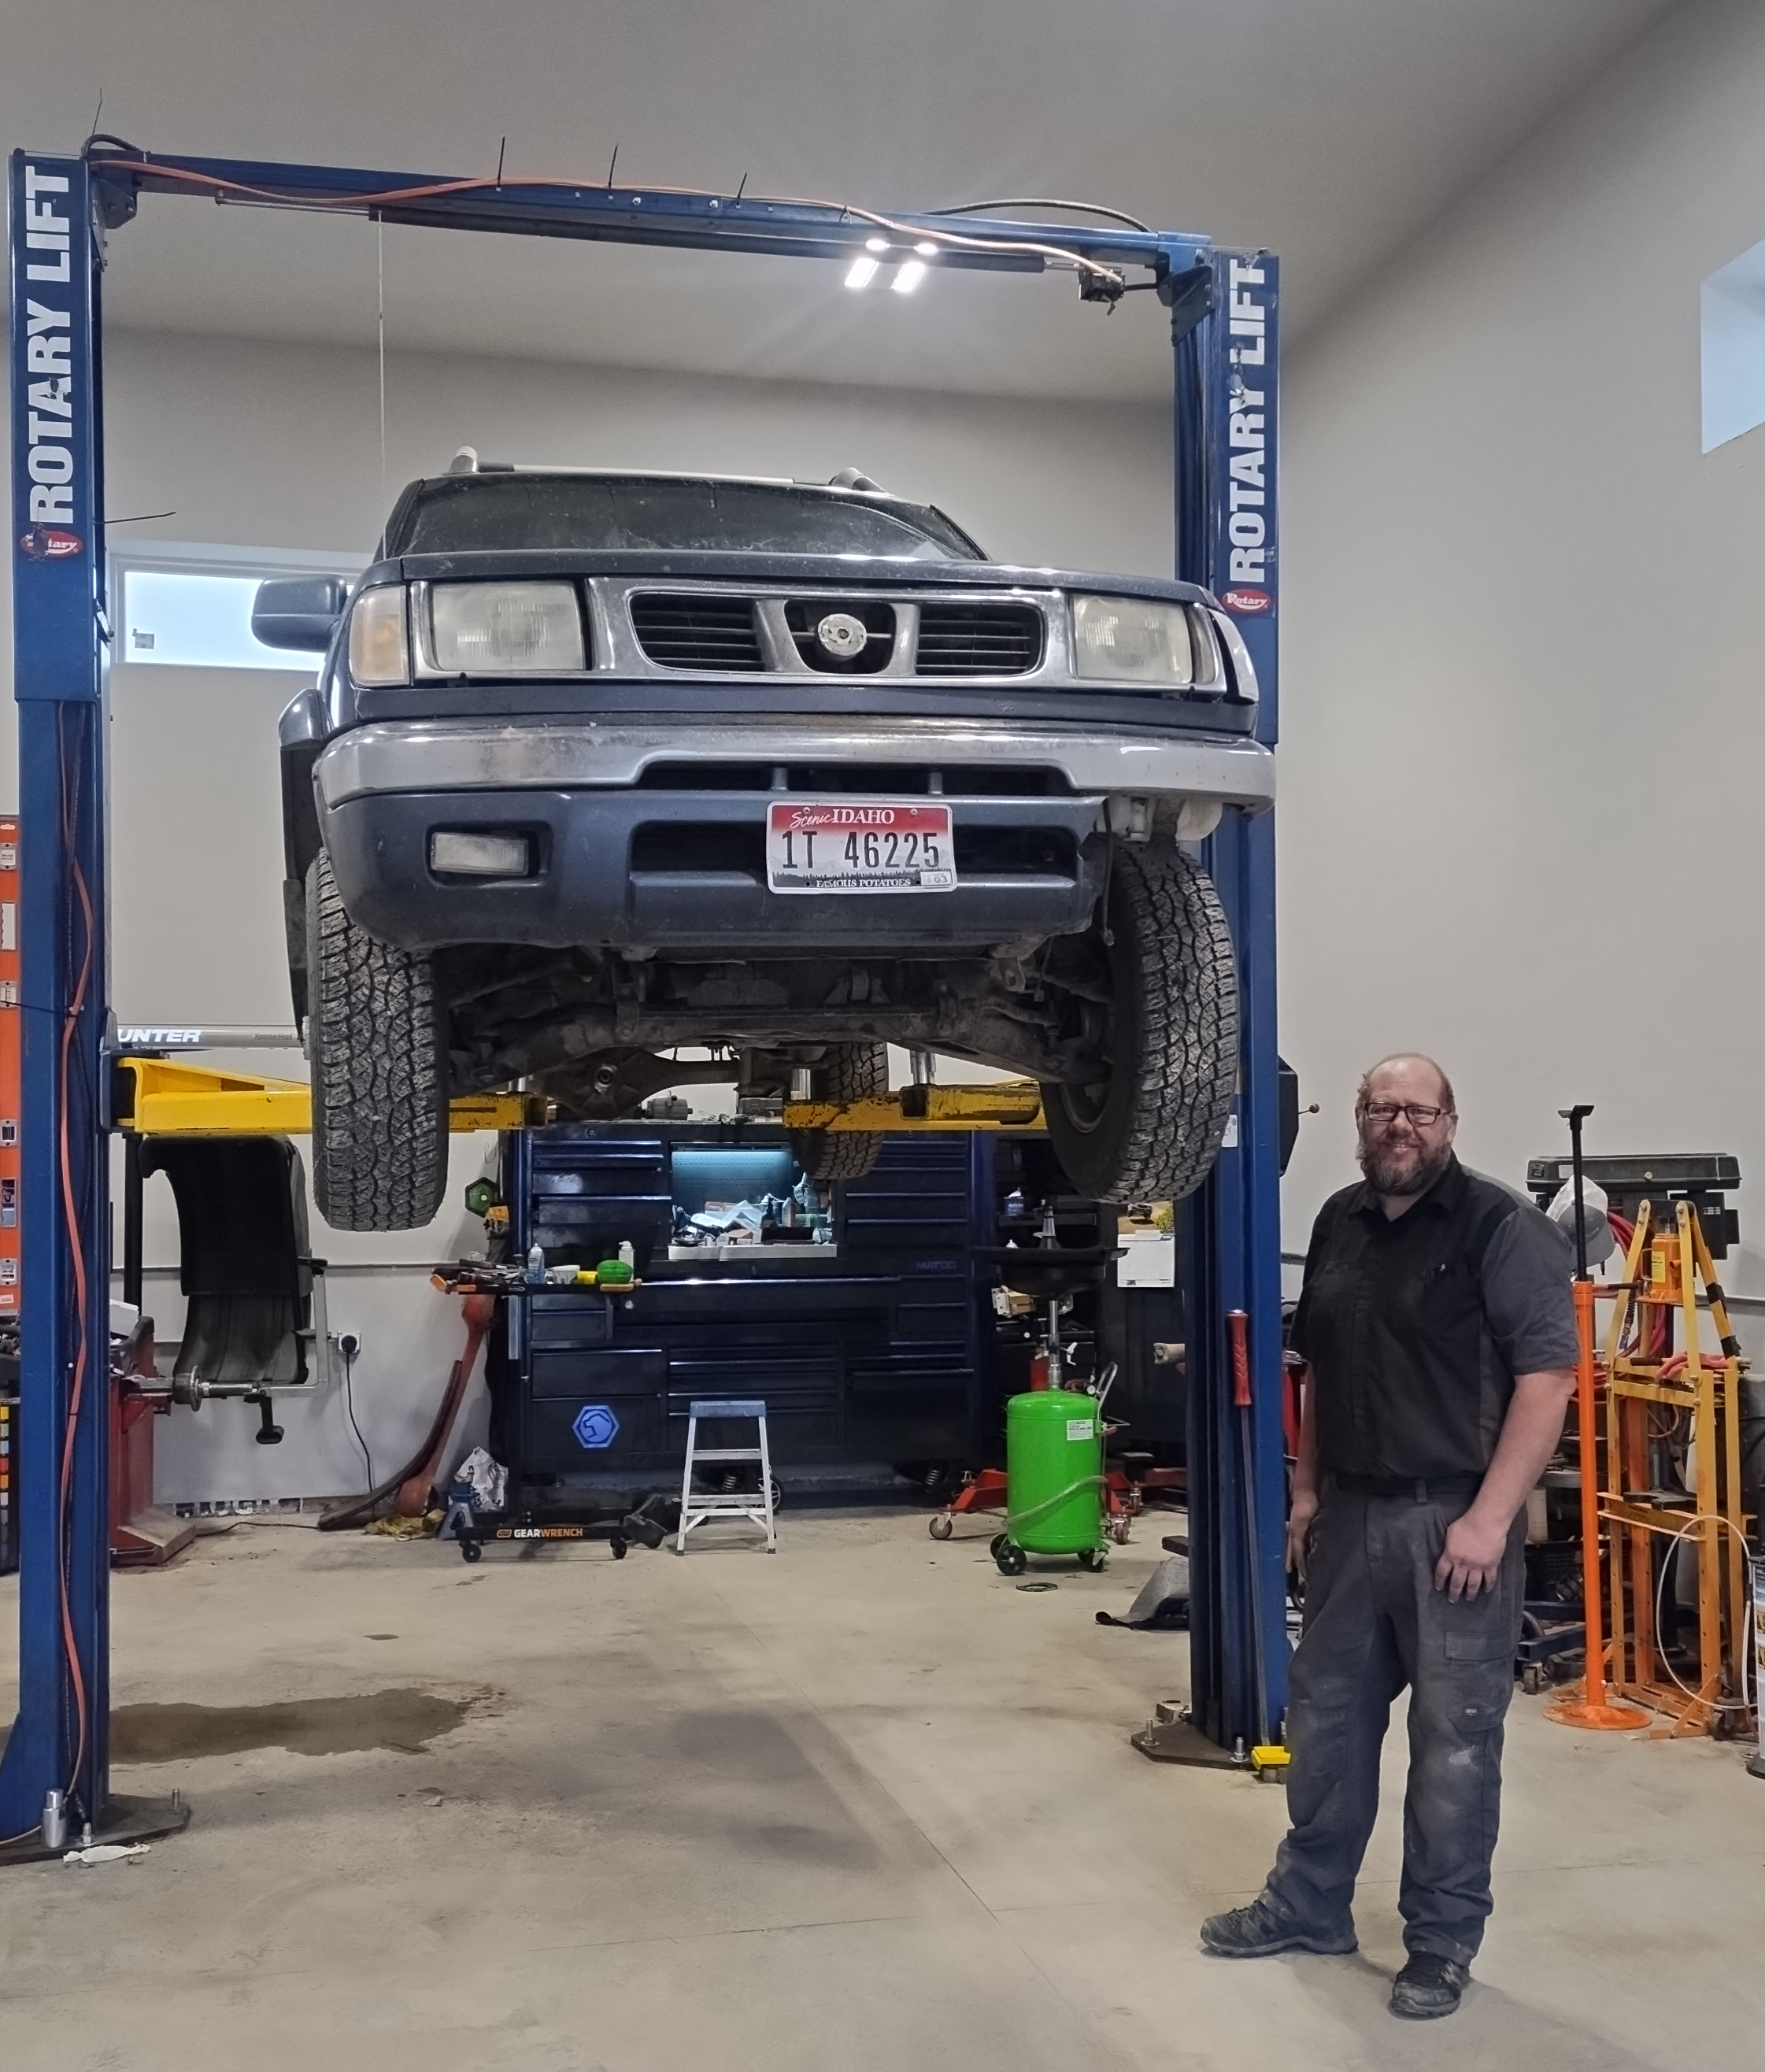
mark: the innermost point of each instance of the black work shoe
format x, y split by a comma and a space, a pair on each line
1256, 1930
1429, 1987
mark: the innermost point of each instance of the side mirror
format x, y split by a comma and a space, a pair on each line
299, 611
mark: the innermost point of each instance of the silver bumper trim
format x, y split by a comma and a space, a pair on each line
460, 755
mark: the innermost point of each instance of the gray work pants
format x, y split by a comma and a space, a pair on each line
1375, 1623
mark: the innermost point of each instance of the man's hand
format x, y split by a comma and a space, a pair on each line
1476, 1542
1473, 1556
1299, 1518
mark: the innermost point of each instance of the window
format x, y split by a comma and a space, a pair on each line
1733, 312
536, 507
190, 607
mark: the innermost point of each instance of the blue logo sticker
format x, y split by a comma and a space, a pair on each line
595, 1427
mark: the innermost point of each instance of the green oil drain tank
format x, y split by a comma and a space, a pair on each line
1053, 1471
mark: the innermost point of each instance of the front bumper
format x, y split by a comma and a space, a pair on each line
447, 755
630, 856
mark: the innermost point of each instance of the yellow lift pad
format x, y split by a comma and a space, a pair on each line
159, 1098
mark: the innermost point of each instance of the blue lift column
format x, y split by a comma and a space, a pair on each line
1226, 320
60, 1739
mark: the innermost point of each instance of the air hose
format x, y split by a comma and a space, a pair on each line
1014, 1518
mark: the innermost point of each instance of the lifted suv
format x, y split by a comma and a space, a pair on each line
600, 766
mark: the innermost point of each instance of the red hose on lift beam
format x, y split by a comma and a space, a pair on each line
412, 1484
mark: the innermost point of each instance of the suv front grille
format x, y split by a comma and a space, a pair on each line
698, 632
714, 632
978, 639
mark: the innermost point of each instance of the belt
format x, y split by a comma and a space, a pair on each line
1420, 1488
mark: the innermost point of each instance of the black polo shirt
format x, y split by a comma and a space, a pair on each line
1415, 1327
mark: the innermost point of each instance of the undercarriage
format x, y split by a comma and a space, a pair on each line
591, 1031
1130, 1025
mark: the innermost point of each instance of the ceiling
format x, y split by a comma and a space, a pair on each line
1329, 131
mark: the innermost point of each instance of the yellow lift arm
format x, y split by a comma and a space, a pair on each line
156, 1097
1007, 1105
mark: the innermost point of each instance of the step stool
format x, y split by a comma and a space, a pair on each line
696, 1505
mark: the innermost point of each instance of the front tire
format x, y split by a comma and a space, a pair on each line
1150, 1129
376, 1041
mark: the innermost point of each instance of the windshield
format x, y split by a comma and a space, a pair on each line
479, 513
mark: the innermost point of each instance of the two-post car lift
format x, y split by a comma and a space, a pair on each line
1222, 309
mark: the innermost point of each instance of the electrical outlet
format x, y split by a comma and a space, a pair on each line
349, 1344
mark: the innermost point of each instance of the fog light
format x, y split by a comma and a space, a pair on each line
453, 853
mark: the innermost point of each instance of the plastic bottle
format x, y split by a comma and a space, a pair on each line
627, 1253
536, 1266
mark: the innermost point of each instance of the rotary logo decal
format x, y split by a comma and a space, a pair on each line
50, 543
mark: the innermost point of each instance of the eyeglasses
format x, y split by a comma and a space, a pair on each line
1383, 1112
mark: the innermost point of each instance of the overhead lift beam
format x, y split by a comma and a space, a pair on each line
686, 219
1223, 309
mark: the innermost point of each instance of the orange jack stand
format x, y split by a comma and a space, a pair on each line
1665, 1271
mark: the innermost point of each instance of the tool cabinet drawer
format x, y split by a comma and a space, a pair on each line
554, 1375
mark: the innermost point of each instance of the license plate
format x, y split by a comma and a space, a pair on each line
871, 846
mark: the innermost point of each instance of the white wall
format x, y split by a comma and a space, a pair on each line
277, 444
264, 445
1524, 697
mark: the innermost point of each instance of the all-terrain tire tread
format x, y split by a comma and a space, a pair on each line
378, 1053
849, 1072
1188, 1070
1183, 1071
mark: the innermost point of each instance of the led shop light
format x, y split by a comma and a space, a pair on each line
864, 269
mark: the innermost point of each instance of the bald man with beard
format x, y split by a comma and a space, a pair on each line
1437, 1325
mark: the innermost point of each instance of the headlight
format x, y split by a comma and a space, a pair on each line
1132, 641
379, 653
527, 629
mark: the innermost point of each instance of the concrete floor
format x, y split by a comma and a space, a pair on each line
861, 1805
